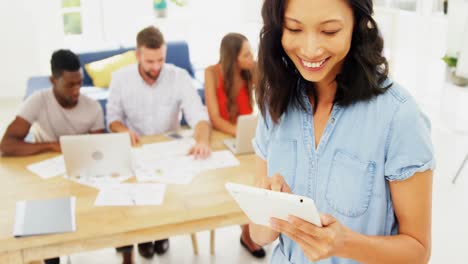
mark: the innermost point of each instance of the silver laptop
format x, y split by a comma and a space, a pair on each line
97, 155
245, 132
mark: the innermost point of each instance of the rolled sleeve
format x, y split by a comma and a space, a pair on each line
114, 103
192, 106
409, 143
260, 141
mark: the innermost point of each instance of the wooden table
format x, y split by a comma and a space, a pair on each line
202, 205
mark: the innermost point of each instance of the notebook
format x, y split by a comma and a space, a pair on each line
40, 217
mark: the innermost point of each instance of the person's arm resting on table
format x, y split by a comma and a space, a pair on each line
201, 149
119, 127
13, 143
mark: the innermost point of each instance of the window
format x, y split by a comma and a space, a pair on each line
421, 6
71, 12
408, 5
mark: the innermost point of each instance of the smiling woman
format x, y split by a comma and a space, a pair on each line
336, 129
311, 59
334, 40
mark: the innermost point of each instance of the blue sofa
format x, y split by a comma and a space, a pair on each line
177, 54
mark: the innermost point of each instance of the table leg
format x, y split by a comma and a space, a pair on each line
194, 243
212, 242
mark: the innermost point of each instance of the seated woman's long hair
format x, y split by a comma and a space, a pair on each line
231, 46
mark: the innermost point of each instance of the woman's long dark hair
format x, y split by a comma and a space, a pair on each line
231, 46
364, 68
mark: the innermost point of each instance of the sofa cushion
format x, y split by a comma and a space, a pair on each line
88, 57
101, 71
177, 53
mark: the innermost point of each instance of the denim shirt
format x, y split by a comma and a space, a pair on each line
363, 147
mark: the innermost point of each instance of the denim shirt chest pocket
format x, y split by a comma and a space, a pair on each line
282, 159
350, 184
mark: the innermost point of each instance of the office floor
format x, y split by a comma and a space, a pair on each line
228, 251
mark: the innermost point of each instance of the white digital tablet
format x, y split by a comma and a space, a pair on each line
260, 205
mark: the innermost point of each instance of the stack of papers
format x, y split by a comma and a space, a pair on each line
129, 194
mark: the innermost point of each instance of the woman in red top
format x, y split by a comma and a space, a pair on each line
229, 83
229, 88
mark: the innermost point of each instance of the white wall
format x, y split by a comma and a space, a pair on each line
457, 19
414, 45
201, 22
29, 31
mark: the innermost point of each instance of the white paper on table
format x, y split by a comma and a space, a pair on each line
217, 160
148, 155
99, 182
48, 168
165, 175
130, 194
155, 151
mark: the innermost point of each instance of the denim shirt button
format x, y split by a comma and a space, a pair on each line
332, 120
